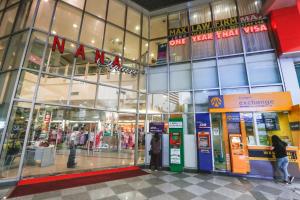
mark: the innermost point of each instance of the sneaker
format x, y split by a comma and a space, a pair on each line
286, 182
291, 178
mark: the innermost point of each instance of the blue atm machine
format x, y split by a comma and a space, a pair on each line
204, 144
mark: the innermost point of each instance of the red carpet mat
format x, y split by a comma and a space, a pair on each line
51, 183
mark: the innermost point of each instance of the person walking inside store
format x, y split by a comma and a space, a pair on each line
279, 147
72, 145
155, 152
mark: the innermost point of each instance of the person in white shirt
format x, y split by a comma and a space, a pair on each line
72, 145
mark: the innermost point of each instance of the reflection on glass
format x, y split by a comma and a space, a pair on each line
76, 3
144, 52
145, 27
181, 102
157, 103
133, 21
113, 39
201, 99
107, 98
66, 21
43, 18
158, 27
8, 20
83, 94
26, 13
26, 85
87, 69
129, 81
207, 70
128, 101
142, 103
96, 7
116, 12
132, 47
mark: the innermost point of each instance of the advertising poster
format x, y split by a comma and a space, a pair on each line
175, 156
156, 127
161, 53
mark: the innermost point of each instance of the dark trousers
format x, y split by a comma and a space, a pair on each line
155, 161
71, 160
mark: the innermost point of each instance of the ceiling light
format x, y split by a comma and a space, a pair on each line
46, 0
117, 39
53, 32
195, 16
93, 41
72, 45
137, 28
75, 25
256, 2
146, 44
152, 55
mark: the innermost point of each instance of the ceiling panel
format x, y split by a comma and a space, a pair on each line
152, 5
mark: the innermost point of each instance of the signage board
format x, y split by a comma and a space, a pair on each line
173, 124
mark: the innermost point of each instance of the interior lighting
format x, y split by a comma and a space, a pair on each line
146, 44
93, 41
117, 39
195, 16
53, 32
256, 2
46, 0
152, 54
72, 45
137, 28
75, 25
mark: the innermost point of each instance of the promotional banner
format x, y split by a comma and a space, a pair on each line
204, 149
176, 144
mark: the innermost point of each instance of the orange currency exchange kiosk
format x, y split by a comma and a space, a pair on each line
248, 122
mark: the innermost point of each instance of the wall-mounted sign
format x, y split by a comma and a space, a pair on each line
224, 28
175, 124
100, 59
295, 126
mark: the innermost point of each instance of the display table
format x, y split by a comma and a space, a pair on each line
44, 155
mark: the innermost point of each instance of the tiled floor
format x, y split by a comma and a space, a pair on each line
165, 185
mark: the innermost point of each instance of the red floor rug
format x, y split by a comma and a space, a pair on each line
51, 183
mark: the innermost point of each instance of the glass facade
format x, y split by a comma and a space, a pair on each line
48, 97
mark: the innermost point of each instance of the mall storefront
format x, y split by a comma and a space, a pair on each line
70, 66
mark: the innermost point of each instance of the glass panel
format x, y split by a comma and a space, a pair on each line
83, 94
2, 4
260, 65
142, 79
53, 90
232, 72
180, 77
205, 74
128, 101
107, 98
27, 84
66, 21
145, 52
92, 31
3, 46
158, 27
181, 102
235, 91
76, 3
201, 99
7, 83
116, 12
142, 103
8, 21
113, 39
14, 140
218, 142
178, 20
96, 7
179, 49
158, 52
132, 47
129, 81
146, 27
15, 51
133, 21
256, 41
110, 77
43, 18
188, 124
157, 103
157, 78
141, 139
248, 7
25, 16
267, 89
57, 63
250, 129
35, 51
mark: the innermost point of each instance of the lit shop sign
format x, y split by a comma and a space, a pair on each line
223, 29
100, 59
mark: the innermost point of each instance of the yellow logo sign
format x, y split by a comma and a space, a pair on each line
216, 102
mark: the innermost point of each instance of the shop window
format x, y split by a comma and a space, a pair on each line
60, 63
267, 89
158, 27
157, 78
180, 77
257, 41
128, 101
83, 94
157, 103
25, 17
248, 7
181, 51
181, 102
142, 103
96, 7
205, 74
15, 51
109, 77
235, 91
158, 52
129, 81
201, 99
26, 85
232, 72
107, 98
3, 46
116, 12
92, 31
144, 52
297, 71
261, 64
35, 51
66, 21
132, 47
133, 21
44, 15
7, 22
113, 39
145, 27
53, 89
75, 3
14, 139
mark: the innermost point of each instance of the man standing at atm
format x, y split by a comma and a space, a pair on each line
155, 151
